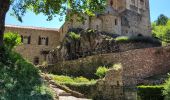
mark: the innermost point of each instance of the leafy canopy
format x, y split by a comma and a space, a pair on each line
51, 8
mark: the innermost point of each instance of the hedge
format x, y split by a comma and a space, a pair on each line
150, 92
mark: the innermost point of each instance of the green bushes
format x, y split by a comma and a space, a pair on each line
19, 79
70, 80
150, 92
101, 71
12, 39
74, 35
135, 39
166, 90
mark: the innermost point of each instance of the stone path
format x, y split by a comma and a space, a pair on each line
64, 93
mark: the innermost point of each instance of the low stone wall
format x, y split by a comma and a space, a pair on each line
137, 64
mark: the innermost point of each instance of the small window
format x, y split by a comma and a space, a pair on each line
116, 22
36, 60
43, 41
26, 39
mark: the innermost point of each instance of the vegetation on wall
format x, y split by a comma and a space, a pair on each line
101, 71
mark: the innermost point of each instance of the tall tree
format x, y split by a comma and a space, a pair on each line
162, 20
50, 8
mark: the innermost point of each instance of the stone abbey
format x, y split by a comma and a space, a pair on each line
123, 17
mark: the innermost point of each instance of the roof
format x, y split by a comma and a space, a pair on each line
32, 27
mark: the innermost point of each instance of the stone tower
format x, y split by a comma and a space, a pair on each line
123, 17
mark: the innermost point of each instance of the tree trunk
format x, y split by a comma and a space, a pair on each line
4, 7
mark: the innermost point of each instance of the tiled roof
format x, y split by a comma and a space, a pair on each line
32, 27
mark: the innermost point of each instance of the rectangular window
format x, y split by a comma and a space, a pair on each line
26, 39
43, 41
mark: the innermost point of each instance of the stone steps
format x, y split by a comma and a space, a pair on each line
64, 93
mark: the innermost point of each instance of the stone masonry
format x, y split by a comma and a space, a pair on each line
123, 17
37, 42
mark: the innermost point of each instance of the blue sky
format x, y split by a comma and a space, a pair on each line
157, 7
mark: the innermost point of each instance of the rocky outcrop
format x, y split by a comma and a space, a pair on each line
80, 43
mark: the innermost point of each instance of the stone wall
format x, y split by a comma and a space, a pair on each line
33, 50
137, 64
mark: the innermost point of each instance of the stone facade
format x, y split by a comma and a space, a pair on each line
37, 42
123, 17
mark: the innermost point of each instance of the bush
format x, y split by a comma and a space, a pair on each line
70, 80
12, 39
19, 78
150, 92
101, 72
74, 35
136, 39
166, 91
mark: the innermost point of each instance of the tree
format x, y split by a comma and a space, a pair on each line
162, 20
49, 8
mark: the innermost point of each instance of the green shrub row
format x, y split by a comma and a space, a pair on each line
71, 80
150, 92
134, 39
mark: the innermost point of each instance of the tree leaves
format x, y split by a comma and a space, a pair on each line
51, 8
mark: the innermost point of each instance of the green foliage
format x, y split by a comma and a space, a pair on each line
19, 78
71, 80
135, 39
166, 91
162, 20
101, 71
162, 31
12, 39
74, 35
60, 7
151, 92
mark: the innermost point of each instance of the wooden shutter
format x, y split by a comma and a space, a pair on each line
21, 38
29, 40
47, 41
39, 40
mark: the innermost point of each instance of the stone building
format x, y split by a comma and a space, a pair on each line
37, 42
124, 17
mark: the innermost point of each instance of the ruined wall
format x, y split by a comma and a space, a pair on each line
33, 50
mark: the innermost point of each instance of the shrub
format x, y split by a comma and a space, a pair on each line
71, 80
19, 78
12, 39
150, 92
74, 35
101, 71
166, 91
135, 39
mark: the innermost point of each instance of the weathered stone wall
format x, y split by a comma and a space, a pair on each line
137, 64
32, 50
